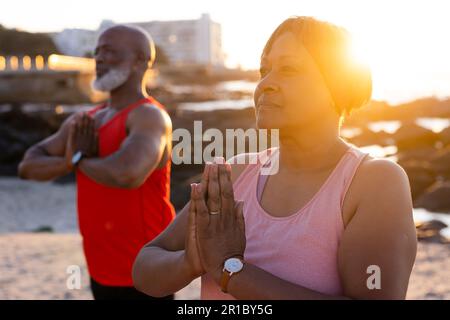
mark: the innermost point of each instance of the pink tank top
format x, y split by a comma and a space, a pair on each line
301, 248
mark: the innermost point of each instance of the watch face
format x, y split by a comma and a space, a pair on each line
76, 157
233, 265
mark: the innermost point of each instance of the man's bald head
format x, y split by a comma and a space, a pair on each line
130, 38
135, 39
123, 53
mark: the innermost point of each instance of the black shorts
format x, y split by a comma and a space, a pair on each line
101, 292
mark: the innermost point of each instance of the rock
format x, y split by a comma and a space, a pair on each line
41, 229
419, 154
368, 137
440, 162
430, 231
19, 131
436, 197
420, 176
412, 136
436, 225
444, 136
181, 178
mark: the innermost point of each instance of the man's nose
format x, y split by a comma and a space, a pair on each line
98, 58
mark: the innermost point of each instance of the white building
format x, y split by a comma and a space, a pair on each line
76, 42
184, 42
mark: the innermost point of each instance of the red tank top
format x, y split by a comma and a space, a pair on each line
116, 223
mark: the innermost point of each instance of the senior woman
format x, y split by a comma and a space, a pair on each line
331, 223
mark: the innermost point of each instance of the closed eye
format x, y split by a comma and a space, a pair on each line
263, 72
288, 69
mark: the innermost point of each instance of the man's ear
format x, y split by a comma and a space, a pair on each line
141, 61
135, 63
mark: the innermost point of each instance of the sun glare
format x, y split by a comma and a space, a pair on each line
360, 53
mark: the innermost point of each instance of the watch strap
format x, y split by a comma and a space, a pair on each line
225, 278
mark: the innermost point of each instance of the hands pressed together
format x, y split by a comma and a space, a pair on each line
216, 229
82, 137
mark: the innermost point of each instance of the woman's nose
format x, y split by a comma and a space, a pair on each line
267, 88
267, 85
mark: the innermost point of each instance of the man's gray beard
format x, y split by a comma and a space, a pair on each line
111, 80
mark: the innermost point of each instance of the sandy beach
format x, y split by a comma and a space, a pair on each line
34, 265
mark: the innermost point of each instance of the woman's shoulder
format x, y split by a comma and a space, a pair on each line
377, 181
376, 176
374, 169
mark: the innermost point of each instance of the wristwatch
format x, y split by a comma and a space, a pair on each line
76, 158
230, 267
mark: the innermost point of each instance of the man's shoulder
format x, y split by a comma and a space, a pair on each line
150, 109
150, 114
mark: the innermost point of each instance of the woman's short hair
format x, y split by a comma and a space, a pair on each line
349, 82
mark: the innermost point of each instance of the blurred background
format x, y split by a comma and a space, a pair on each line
206, 69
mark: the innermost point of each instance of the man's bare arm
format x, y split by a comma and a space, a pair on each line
46, 160
139, 154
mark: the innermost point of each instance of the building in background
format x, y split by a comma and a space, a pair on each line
184, 42
76, 42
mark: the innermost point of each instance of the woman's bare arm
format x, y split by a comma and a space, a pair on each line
162, 268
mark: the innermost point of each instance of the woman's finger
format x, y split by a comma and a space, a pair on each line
204, 180
226, 194
213, 188
239, 213
201, 209
191, 217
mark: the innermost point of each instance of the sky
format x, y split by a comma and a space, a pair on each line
406, 43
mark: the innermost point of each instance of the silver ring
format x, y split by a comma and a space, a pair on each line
213, 213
